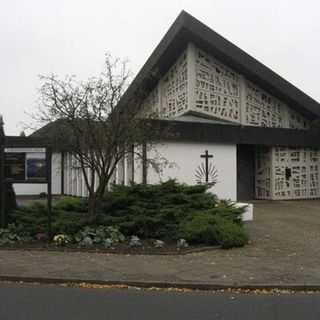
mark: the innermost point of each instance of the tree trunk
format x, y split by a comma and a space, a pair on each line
92, 205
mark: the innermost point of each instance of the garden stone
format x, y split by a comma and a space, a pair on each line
158, 244
108, 243
135, 242
87, 242
182, 243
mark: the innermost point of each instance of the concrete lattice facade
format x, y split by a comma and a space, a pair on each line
287, 173
199, 83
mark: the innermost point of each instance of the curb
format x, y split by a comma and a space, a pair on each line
166, 285
106, 251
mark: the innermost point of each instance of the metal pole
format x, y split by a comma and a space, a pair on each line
2, 188
62, 173
49, 183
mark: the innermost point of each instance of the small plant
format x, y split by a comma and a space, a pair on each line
42, 195
13, 234
99, 235
61, 240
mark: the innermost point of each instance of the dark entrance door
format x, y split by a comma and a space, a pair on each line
245, 172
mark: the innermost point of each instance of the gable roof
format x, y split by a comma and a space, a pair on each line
187, 29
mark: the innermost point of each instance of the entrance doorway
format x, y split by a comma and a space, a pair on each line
245, 172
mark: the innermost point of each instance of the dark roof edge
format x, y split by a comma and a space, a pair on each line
181, 131
27, 142
200, 132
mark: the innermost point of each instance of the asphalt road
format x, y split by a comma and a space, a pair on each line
35, 302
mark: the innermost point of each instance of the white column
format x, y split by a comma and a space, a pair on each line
70, 174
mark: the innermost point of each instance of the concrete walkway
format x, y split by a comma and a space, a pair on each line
284, 250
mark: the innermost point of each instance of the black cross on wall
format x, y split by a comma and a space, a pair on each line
206, 156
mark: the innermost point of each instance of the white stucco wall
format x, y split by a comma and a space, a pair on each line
35, 189
184, 159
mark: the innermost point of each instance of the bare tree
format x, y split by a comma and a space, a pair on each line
95, 125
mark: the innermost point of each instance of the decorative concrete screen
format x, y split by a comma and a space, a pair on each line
169, 98
217, 89
287, 173
263, 173
174, 89
198, 82
296, 173
263, 110
297, 121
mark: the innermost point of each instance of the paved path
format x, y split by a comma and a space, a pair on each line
285, 250
27, 302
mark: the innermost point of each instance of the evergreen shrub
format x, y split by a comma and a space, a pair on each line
166, 211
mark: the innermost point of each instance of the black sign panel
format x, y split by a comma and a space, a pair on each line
15, 166
36, 169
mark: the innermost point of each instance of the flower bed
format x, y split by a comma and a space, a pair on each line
166, 212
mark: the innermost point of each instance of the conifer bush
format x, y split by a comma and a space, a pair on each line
166, 211
213, 229
171, 210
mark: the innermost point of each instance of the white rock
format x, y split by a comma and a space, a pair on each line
135, 242
182, 243
158, 244
248, 213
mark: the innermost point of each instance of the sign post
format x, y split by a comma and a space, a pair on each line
2, 187
49, 169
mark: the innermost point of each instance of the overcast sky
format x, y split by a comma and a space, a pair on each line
71, 37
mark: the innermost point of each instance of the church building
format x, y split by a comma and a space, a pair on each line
236, 121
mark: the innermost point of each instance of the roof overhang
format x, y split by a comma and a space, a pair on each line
190, 131
27, 142
185, 131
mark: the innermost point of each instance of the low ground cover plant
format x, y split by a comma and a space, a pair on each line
168, 211
13, 234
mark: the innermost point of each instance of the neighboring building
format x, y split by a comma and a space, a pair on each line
255, 124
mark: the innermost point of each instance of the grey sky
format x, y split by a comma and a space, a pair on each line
71, 37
